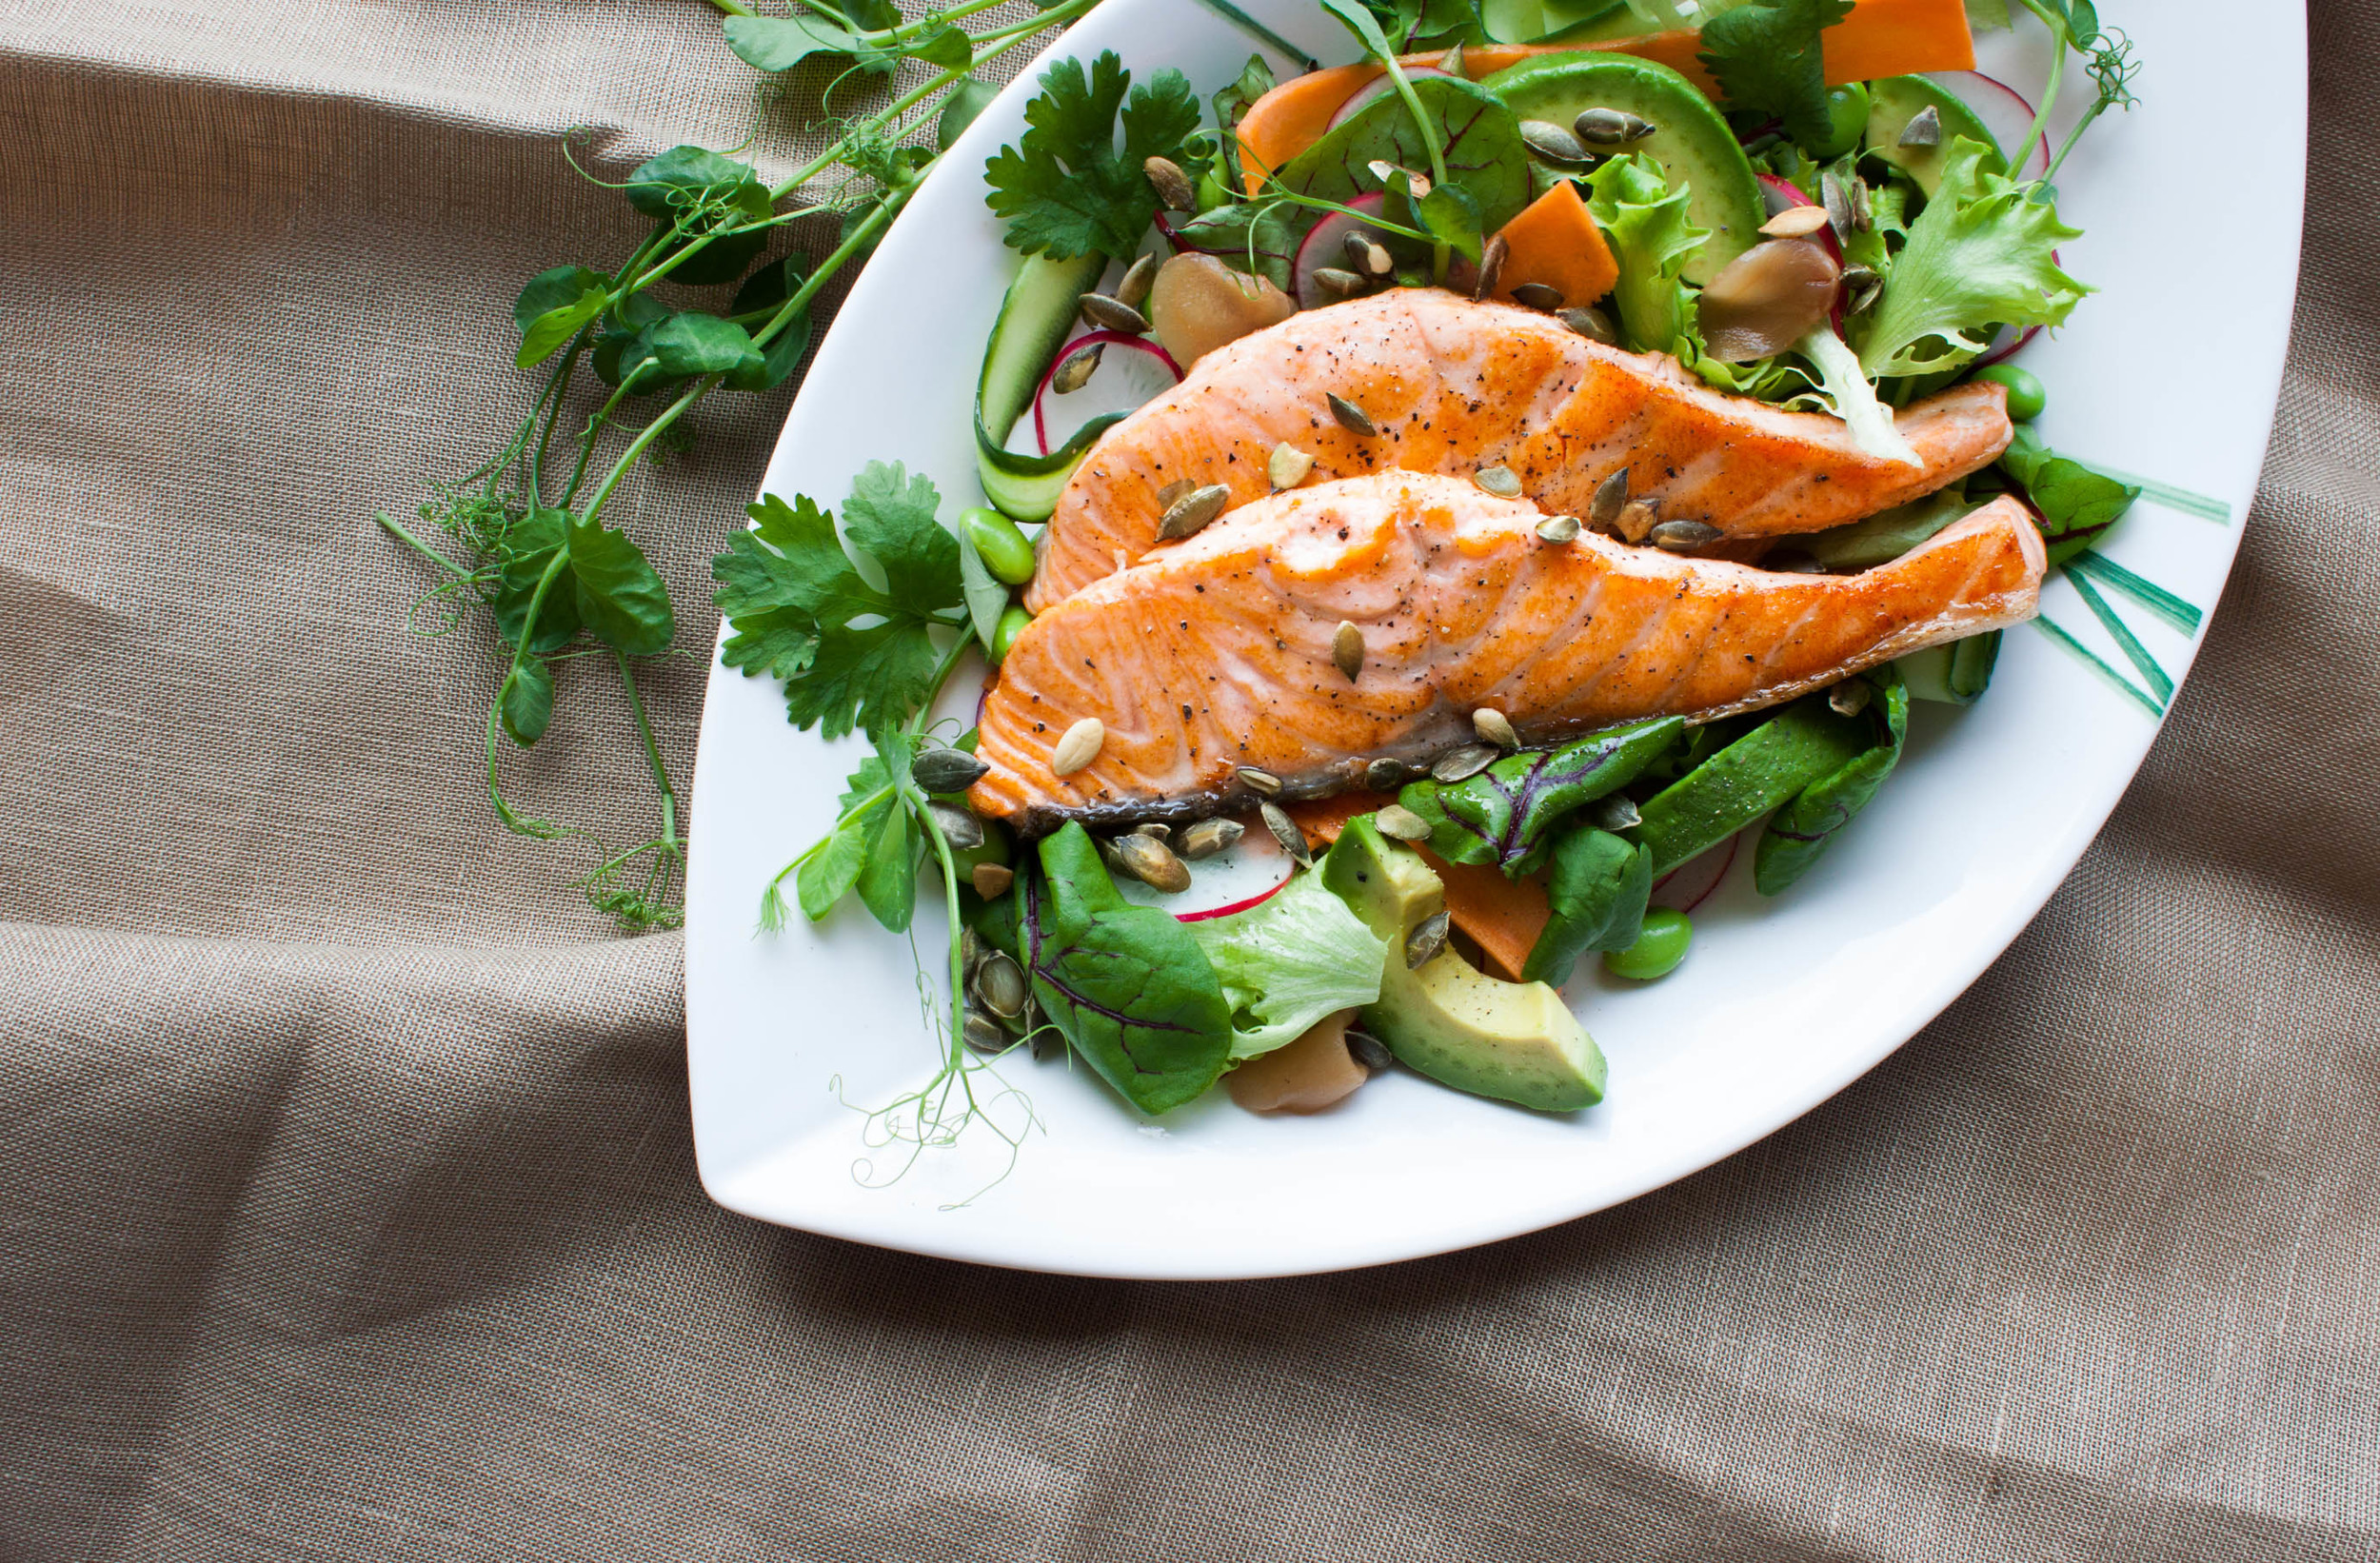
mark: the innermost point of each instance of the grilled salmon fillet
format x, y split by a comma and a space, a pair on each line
1452, 386
1217, 653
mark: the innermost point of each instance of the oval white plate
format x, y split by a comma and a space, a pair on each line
1783, 1002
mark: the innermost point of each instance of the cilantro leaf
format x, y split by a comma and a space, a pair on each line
890, 516
1766, 56
1981, 254
1064, 188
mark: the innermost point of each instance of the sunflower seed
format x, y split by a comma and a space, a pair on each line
1208, 837
1499, 479
1494, 728
1352, 418
1463, 763
1285, 831
1193, 511
1925, 130
1836, 201
1370, 1050
1552, 143
1536, 295
1114, 315
1079, 747
1609, 127
946, 770
1684, 537
991, 881
1345, 285
1173, 186
1386, 774
1590, 323
1287, 467
982, 1034
1849, 697
1427, 941
1617, 812
1000, 983
1076, 368
1172, 491
1347, 649
1610, 498
1139, 278
1263, 784
1558, 528
1367, 255
1153, 864
1491, 266
1399, 823
964, 831
1157, 828
1795, 223
1638, 519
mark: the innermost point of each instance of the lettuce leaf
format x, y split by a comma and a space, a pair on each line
1849, 396
1630, 199
1289, 961
1981, 255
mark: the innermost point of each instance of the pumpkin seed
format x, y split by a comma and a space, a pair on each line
1157, 828
1369, 1050
1287, 467
1285, 831
1491, 266
1263, 784
1638, 520
1173, 187
1416, 184
1611, 127
1114, 314
1427, 941
1167, 495
991, 881
1399, 823
1861, 288
1925, 130
1494, 728
1560, 528
1000, 983
1795, 223
1347, 649
1610, 498
1680, 537
946, 770
1862, 213
1351, 417
1075, 371
964, 831
1367, 255
1193, 513
1499, 479
1386, 774
1081, 745
1208, 837
1536, 295
1590, 323
1849, 697
1452, 62
1139, 278
1552, 143
1617, 812
1108, 855
1463, 763
982, 1034
1345, 285
971, 948
1836, 201
1153, 864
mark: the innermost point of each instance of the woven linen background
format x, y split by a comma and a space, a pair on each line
347, 1203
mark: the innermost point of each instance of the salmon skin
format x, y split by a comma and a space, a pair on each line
1452, 386
1218, 653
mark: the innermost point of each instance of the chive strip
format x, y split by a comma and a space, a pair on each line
2062, 638
2175, 611
1258, 30
2160, 683
2188, 502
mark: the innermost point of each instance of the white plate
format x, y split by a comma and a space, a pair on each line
1782, 1004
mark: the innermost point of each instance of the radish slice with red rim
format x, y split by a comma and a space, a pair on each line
1123, 382
2005, 112
1690, 884
1325, 246
1247, 874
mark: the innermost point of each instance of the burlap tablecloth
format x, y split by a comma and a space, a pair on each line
347, 1203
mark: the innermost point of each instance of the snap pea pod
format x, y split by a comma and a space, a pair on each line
1599, 888
1777, 760
1799, 834
1504, 815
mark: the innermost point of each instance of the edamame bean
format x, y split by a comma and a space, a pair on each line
1846, 121
1001, 543
1011, 626
2027, 397
1657, 950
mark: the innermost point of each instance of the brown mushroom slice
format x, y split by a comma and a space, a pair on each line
1314, 1072
1769, 298
1198, 304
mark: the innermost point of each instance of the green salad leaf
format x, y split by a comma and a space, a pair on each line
2075, 506
1777, 760
1768, 57
1645, 221
1981, 254
1599, 889
1479, 136
1799, 833
1505, 816
1066, 188
1290, 960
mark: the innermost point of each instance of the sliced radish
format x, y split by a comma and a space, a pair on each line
1373, 92
1690, 884
2010, 340
1122, 382
2004, 111
1245, 875
1325, 246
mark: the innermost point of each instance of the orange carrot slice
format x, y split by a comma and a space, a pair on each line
1555, 242
1503, 917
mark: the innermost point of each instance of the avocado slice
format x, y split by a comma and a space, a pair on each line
1691, 142
1893, 101
1516, 1041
